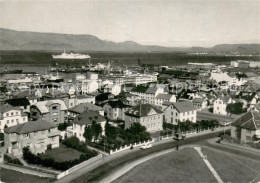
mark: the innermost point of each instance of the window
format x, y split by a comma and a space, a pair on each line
219, 102
43, 132
17, 120
248, 131
12, 113
54, 107
7, 121
7, 114
12, 120
16, 113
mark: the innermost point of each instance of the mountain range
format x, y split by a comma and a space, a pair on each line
20, 40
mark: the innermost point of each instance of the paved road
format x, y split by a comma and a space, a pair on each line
110, 163
211, 116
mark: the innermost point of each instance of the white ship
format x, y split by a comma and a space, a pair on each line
71, 55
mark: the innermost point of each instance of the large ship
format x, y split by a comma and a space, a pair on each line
71, 55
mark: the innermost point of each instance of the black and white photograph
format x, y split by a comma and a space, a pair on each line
130, 91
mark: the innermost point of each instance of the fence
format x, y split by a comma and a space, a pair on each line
189, 133
79, 166
122, 148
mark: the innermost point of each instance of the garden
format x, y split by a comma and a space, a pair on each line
72, 152
115, 137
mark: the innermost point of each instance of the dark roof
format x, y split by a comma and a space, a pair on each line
118, 104
31, 126
8, 107
151, 90
141, 110
250, 120
184, 106
198, 100
139, 88
85, 106
166, 103
103, 96
18, 101
25, 94
87, 117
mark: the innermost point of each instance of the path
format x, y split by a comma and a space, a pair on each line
208, 164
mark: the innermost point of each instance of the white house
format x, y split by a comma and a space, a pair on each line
220, 105
181, 111
147, 115
200, 103
10, 116
89, 86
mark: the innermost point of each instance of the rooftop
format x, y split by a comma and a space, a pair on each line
142, 110
87, 117
250, 120
85, 106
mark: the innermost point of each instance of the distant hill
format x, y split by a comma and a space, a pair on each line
19, 40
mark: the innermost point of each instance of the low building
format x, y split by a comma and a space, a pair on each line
114, 89
115, 110
36, 135
54, 111
22, 103
147, 115
85, 119
200, 103
247, 127
10, 116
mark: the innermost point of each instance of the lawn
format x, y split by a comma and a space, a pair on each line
13, 176
233, 167
62, 153
180, 166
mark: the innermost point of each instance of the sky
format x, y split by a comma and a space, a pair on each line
171, 23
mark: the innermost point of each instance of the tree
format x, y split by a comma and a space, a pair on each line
96, 129
136, 128
235, 108
88, 133
111, 131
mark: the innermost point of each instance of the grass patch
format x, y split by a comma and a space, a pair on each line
61, 154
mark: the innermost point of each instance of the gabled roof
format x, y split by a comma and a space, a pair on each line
166, 103
225, 99
18, 101
143, 110
43, 105
87, 117
164, 96
184, 106
85, 106
250, 120
117, 104
31, 126
8, 107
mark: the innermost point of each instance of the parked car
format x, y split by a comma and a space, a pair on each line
146, 146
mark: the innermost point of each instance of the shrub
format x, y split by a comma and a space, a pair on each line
1, 136
12, 160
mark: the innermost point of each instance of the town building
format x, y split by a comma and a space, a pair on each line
147, 115
246, 128
114, 89
78, 109
179, 112
115, 110
10, 116
200, 103
54, 111
82, 120
37, 135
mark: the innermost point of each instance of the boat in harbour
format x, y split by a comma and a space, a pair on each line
71, 55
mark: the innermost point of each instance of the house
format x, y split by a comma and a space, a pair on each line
37, 135
23, 103
246, 128
10, 116
115, 110
220, 105
147, 115
249, 97
85, 119
78, 109
27, 94
54, 111
200, 103
179, 111
153, 95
